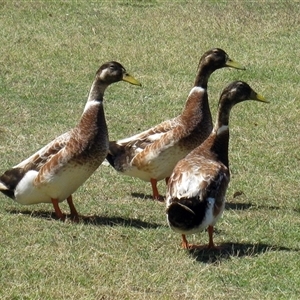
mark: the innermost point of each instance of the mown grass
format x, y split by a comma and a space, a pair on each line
122, 248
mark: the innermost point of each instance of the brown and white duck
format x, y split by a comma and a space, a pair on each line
56, 171
196, 191
152, 154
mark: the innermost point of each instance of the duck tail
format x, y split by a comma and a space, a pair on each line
177, 207
110, 160
180, 215
3, 187
105, 163
114, 153
6, 191
9, 180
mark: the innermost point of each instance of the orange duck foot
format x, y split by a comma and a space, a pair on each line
159, 198
203, 247
57, 210
156, 195
211, 246
73, 216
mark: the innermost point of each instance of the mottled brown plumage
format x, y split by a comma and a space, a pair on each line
152, 154
197, 187
55, 172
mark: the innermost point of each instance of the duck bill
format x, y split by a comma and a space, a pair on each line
130, 79
234, 64
258, 97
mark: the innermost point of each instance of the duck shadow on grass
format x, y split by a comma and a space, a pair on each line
229, 250
228, 205
238, 206
115, 221
91, 220
142, 196
245, 206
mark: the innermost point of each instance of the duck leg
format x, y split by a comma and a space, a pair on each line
74, 213
156, 195
211, 245
57, 210
185, 243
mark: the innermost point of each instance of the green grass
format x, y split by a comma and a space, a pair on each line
123, 248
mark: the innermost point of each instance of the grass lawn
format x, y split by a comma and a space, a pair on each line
122, 248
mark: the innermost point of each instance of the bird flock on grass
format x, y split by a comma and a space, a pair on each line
189, 152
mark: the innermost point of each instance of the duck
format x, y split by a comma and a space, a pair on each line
152, 154
195, 197
56, 171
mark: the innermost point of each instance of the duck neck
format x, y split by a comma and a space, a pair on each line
203, 74
92, 123
220, 134
196, 108
196, 111
96, 92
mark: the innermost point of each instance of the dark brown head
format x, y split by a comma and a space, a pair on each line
238, 91
113, 71
217, 58
211, 61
